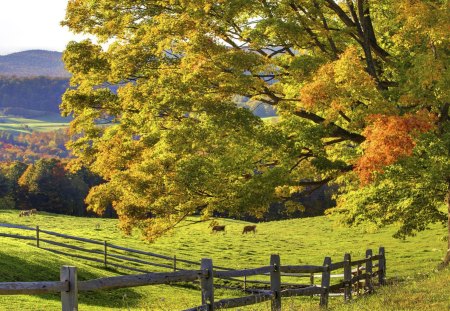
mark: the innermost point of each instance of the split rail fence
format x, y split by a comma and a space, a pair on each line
100, 252
357, 276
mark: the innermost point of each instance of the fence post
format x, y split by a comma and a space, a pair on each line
207, 284
348, 277
245, 282
369, 266
69, 299
275, 282
105, 251
358, 282
174, 263
37, 236
382, 267
326, 275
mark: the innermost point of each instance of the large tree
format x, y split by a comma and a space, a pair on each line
169, 138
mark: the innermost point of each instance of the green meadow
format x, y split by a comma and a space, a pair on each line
17, 125
411, 263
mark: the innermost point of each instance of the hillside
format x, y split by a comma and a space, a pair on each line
22, 262
31, 97
410, 262
32, 83
33, 63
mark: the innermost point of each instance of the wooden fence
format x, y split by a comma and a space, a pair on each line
357, 276
102, 252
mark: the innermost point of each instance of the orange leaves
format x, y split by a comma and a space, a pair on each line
388, 139
343, 85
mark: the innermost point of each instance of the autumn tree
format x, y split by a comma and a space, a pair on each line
47, 186
170, 140
11, 173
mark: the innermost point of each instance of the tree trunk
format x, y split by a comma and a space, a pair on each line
446, 261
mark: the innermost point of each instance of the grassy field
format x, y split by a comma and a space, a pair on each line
23, 125
298, 241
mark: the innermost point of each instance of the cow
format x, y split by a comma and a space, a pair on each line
28, 212
24, 213
248, 229
218, 228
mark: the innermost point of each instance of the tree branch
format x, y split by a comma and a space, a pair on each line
335, 129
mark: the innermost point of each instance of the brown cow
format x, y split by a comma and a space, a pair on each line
28, 212
218, 228
248, 229
24, 213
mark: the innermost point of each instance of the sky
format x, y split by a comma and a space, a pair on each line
33, 24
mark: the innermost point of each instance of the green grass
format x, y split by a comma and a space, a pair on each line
48, 123
271, 119
298, 241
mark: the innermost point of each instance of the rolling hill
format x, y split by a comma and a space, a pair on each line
414, 284
32, 83
33, 63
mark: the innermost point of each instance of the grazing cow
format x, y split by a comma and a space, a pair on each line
24, 213
28, 212
248, 229
218, 228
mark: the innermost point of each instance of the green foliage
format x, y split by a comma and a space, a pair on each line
178, 143
47, 186
410, 192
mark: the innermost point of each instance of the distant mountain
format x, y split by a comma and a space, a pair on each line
32, 83
33, 63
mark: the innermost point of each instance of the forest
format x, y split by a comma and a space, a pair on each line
31, 96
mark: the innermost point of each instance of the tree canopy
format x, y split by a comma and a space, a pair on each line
345, 77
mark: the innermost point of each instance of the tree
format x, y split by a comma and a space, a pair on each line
11, 189
49, 187
176, 142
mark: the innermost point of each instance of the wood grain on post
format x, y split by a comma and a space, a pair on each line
369, 266
347, 277
382, 267
311, 280
32, 288
207, 284
326, 276
69, 299
275, 282
37, 236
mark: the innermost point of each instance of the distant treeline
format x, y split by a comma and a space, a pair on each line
29, 148
47, 186
32, 175
35, 94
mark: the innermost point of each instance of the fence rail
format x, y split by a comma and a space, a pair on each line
352, 281
108, 253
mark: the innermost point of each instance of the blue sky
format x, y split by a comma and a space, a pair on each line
33, 24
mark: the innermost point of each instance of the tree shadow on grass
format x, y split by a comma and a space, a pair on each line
17, 269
